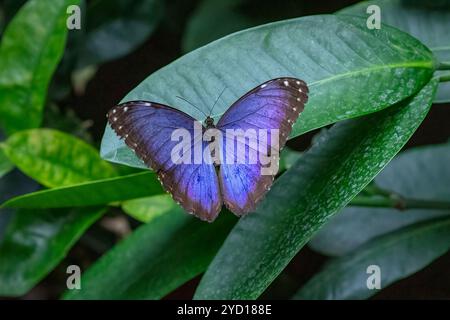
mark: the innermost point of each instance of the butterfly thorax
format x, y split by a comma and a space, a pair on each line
209, 122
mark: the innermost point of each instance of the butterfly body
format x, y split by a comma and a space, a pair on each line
209, 122
225, 174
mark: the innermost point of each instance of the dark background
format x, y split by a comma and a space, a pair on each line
115, 79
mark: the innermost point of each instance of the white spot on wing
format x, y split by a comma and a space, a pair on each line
286, 83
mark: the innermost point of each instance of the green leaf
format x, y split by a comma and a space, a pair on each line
287, 158
115, 28
398, 254
419, 173
156, 259
350, 70
147, 209
115, 150
54, 158
35, 242
5, 165
90, 193
31, 47
325, 178
429, 24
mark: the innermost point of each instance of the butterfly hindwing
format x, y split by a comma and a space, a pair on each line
275, 104
147, 129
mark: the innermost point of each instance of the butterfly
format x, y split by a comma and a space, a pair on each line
202, 188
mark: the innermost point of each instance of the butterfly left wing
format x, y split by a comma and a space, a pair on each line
147, 129
275, 104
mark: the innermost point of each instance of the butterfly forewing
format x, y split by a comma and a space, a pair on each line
275, 104
147, 129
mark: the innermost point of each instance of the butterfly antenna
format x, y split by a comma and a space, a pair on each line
215, 102
192, 105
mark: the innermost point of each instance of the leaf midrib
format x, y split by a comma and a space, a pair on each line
408, 64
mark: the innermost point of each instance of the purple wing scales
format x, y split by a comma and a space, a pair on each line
147, 128
275, 104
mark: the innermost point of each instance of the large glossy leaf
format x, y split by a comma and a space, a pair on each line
35, 242
420, 173
116, 27
428, 23
91, 193
397, 254
287, 158
30, 50
147, 209
54, 158
345, 159
350, 70
156, 259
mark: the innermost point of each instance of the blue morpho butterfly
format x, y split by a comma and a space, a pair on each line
202, 188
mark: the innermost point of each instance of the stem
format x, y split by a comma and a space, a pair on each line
444, 77
443, 65
374, 190
397, 202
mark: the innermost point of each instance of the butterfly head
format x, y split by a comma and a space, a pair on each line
209, 122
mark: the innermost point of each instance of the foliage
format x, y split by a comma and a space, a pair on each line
371, 88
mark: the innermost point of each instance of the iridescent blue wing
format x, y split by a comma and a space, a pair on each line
147, 128
275, 104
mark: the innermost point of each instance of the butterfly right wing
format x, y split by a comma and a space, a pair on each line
147, 129
273, 105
